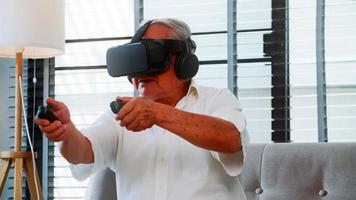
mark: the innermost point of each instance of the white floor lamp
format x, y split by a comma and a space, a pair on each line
28, 29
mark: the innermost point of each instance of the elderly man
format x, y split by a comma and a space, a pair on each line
176, 140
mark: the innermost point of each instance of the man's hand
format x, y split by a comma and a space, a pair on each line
57, 130
63, 130
138, 113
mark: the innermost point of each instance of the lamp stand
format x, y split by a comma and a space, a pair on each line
18, 157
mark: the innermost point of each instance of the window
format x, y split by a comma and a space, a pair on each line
306, 82
340, 62
254, 71
81, 79
209, 35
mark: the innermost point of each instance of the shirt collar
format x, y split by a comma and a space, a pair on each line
193, 89
192, 94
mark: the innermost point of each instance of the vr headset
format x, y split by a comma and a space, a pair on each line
146, 56
151, 56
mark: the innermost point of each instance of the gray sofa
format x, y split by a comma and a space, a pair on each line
280, 171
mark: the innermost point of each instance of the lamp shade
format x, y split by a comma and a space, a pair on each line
34, 27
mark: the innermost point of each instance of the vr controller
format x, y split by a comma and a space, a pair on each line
116, 106
45, 112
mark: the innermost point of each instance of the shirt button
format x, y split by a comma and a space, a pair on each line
258, 191
323, 193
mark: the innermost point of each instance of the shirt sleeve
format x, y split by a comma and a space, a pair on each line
103, 135
226, 106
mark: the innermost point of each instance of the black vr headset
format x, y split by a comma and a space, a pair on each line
151, 56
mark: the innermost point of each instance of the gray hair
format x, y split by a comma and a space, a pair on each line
180, 29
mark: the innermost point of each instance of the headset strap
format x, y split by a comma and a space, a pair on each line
140, 32
190, 44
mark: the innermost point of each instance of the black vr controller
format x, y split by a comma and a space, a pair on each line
45, 112
116, 105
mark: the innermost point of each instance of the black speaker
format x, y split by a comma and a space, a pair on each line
187, 65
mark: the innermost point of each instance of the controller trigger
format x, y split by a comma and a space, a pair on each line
116, 106
45, 112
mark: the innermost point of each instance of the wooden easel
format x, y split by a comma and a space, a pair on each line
18, 157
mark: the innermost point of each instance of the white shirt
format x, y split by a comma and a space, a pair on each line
156, 164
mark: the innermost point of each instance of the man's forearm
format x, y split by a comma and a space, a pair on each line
205, 131
76, 148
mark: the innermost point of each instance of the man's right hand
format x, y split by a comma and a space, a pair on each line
63, 130
57, 130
